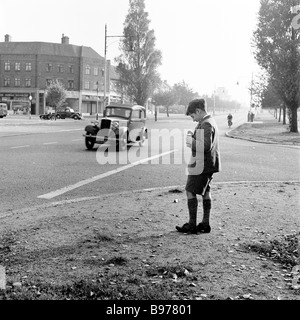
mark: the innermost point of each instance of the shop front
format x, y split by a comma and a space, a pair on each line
19, 103
89, 105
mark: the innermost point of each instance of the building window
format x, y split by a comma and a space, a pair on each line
70, 84
17, 66
28, 66
96, 71
87, 85
48, 82
71, 68
96, 85
28, 82
49, 67
6, 82
87, 70
102, 72
60, 68
17, 82
7, 66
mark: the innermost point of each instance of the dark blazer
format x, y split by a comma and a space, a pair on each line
210, 139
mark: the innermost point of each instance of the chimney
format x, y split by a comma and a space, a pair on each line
7, 38
64, 39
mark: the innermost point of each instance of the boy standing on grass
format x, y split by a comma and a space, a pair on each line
198, 182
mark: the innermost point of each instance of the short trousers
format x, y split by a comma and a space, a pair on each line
199, 184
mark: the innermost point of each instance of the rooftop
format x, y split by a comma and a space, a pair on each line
47, 48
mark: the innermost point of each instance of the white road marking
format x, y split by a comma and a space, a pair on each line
25, 146
77, 139
54, 142
63, 190
6, 214
66, 130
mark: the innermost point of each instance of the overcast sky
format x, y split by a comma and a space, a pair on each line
203, 42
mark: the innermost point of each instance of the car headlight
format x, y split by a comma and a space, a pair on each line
115, 125
95, 123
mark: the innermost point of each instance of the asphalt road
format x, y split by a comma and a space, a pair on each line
51, 163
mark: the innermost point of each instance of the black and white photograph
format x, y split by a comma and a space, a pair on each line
150, 153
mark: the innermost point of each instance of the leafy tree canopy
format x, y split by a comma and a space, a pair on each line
137, 65
56, 94
277, 50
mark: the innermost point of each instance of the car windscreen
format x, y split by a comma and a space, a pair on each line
117, 112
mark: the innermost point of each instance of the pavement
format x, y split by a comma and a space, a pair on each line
266, 129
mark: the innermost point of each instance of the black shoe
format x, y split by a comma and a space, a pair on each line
203, 228
187, 228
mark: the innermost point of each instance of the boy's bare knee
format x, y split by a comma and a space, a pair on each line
190, 195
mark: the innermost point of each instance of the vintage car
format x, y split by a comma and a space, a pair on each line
3, 110
47, 116
121, 124
67, 112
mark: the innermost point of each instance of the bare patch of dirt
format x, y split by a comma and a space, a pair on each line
80, 252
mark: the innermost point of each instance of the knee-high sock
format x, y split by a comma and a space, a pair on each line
193, 206
206, 210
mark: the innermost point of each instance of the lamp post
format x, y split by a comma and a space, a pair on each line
97, 100
214, 105
105, 49
251, 93
30, 99
105, 67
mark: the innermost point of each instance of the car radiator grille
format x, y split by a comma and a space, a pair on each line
105, 124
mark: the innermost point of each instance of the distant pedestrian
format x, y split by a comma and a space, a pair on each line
199, 183
249, 116
229, 119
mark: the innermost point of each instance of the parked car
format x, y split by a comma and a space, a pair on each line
3, 110
47, 116
67, 112
121, 124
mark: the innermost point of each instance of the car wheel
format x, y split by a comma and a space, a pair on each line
89, 142
142, 139
122, 142
58, 116
75, 118
53, 117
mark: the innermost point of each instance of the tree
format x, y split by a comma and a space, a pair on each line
163, 96
138, 63
183, 94
56, 94
278, 52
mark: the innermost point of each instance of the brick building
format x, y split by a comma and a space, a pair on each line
26, 68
